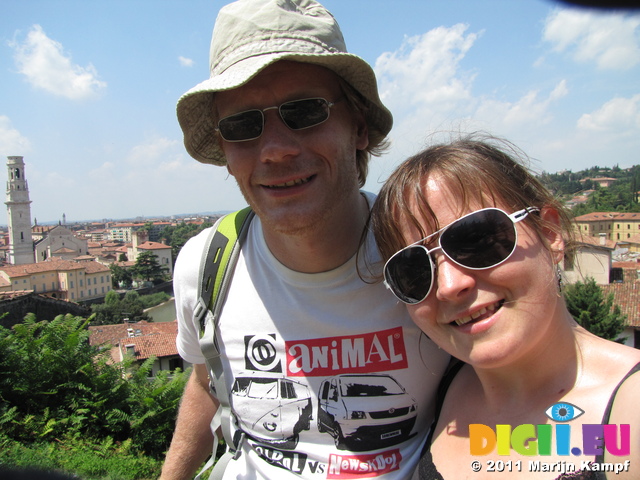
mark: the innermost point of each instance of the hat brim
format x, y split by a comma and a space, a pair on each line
195, 108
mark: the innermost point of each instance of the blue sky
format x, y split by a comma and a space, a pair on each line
88, 92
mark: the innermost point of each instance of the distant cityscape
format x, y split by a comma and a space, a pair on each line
73, 263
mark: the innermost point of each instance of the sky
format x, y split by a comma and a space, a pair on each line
88, 92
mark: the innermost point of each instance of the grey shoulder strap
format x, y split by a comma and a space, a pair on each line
216, 271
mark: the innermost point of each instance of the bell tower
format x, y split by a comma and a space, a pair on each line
19, 213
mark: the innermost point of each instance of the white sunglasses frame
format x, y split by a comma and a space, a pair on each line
514, 217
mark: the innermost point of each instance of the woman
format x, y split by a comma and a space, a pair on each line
472, 242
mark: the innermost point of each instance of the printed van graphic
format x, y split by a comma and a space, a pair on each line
365, 412
367, 353
272, 410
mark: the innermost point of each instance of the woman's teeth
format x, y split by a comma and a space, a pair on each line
475, 315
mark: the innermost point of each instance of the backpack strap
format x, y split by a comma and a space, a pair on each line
216, 271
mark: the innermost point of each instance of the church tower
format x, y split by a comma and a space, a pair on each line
19, 213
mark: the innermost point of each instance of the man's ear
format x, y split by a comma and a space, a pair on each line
229, 169
552, 232
362, 133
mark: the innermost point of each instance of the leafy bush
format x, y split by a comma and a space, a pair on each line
64, 406
154, 299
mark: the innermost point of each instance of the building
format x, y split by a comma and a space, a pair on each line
617, 226
62, 279
123, 232
58, 241
592, 258
161, 251
141, 340
19, 213
604, 182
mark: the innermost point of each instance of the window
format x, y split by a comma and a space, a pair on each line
71, 283
569, 261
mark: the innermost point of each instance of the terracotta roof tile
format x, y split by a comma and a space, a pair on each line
112, 334
156, 345
153, 246
627, 296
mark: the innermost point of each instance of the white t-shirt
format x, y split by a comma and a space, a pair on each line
328, 375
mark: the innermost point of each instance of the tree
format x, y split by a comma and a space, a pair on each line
147, 267
114, 310
599, 315
120, 276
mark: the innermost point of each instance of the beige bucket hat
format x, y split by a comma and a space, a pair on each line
250, 35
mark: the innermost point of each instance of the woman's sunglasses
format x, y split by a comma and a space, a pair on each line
297, 115
479, 240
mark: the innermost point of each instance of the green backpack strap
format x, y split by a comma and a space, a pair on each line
219, 257
216, 271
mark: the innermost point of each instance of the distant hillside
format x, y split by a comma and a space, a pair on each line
597, 189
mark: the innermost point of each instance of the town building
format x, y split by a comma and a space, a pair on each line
618, 226
162, 252
19, 213
141, 341
62, 279
57, 241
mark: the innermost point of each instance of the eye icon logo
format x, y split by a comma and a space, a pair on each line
563, 412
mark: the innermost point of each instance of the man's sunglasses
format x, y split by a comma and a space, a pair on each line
297, 115
479, 240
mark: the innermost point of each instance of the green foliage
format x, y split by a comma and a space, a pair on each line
154, 403
622, 196
599, 315
147, 267
114, 310
103, 460
120, 277
62, 405
52, 380
177, 236
154, 299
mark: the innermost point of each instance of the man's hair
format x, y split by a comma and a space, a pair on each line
378, 143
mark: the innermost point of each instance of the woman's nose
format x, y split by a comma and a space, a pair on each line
452, 280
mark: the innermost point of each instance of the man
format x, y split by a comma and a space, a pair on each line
325, 372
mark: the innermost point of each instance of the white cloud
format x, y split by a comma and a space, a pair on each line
619, 115
47, 67
530, 109
185, 62
151, 153
426, 65
610, 40
12, 142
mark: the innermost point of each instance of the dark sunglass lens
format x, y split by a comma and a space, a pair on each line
409, 274
242, 126
301, 114
481, 240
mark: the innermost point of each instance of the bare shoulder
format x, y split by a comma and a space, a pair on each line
611, 358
